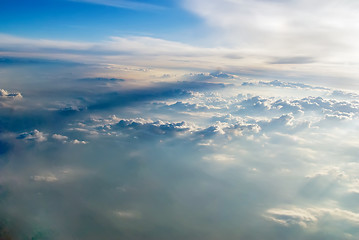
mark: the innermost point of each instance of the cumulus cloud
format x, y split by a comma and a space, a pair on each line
155, 128
65, 139
5, 94
78, 142
34, 135
9, 100
59, 137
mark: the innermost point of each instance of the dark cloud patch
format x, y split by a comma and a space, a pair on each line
101, 80
4, 147
165, 91
29, 119
71, 110
5, 233
13, 61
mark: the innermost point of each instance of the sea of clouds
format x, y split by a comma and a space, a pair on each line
204, 156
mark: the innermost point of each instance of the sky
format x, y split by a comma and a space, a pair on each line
178, 119
294, 39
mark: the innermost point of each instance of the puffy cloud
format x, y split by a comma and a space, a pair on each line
9, 100
155, 128
59, 137
65, 139
78, 142
35, 135
5, 94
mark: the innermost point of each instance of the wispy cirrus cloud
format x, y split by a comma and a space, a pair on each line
134, 5
144, 51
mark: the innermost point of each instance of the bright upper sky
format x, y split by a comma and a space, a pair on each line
297, 38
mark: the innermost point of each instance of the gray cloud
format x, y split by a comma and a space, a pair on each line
293, 60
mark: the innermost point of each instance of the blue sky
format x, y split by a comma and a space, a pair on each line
186, 119
88, 21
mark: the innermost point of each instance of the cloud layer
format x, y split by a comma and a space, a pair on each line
211, 155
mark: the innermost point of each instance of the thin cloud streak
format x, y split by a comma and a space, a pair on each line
142, 51
123, 4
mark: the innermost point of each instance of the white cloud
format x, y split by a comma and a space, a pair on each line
65, 139
7, 95
314, 36
78, 142
35, 135
298, 26
307, 217
222, 158
288, 217
59, 137
45, 178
